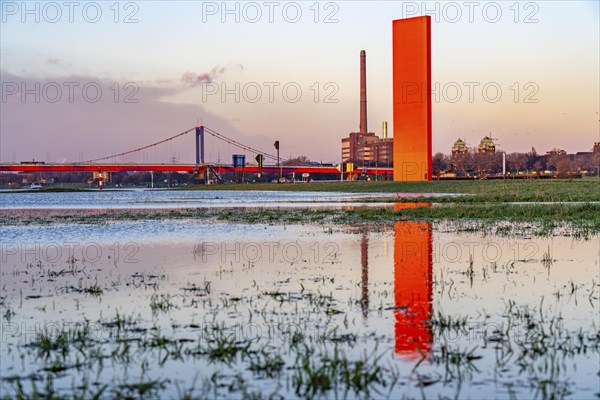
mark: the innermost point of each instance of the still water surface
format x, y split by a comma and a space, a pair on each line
226, 310
185, 199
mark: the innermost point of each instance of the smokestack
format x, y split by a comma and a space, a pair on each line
363, 92
384, 130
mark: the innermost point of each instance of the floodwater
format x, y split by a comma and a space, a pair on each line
130, 199
176, 307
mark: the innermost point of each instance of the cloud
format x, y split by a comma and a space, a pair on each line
55, 62
191, 79
110, 125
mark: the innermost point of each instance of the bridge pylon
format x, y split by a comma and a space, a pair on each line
199, 145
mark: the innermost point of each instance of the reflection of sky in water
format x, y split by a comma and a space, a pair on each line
173, 199
411, 273
146, 231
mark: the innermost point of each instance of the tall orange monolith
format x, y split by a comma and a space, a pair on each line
411, 42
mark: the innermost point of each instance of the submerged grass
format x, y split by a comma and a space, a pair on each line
297, 348
579, 219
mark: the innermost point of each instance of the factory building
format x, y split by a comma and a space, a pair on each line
364, 148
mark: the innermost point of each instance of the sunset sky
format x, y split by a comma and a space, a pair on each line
543, 56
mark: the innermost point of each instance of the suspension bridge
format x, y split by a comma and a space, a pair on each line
119, 162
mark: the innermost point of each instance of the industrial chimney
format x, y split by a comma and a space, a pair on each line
384, 130
363, 92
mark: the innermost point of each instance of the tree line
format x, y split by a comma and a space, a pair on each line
475, 163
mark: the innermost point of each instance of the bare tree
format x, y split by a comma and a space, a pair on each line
557, 160
563, 167
596, 162
516, 162
296, 160
439, 162
463, 163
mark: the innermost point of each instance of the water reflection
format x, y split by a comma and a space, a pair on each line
412, 286
253, 283
162, 199
364, 261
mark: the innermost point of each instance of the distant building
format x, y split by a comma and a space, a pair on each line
459, 147
596, 148
487, 145
383, 152
580, 154
104, 174
556, 152
367, 149
364, 148
357, 146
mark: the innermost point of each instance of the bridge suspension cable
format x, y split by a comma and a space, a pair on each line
212, 132
138, 149
238, 144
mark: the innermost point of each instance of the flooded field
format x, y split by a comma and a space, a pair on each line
192, 309
157, 199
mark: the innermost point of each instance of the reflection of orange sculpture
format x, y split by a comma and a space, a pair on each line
411, 47
412, 286
400, 206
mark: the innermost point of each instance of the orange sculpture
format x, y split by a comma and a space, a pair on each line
411, 42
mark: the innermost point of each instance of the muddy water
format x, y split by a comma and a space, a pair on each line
173, 307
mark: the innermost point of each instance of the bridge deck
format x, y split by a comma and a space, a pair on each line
183, 168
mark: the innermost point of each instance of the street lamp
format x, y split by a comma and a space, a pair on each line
276, 144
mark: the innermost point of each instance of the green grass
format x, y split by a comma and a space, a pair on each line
526, 190
583, 219
527, 212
